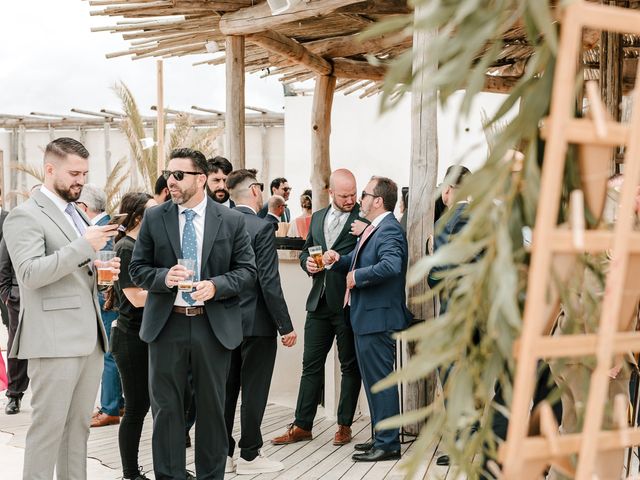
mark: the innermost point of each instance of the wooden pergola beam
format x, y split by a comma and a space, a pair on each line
235, 115
282, 45
259, 18
292, 50
320, 139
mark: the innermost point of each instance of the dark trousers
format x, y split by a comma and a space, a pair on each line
132, 358
321, 327
376, 356
188, 341
16, 369
251, 371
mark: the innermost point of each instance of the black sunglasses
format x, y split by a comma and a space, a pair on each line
286, 189
261, 185
364, 194
178, 174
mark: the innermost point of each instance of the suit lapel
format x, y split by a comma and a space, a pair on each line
212, 222
323, 241
54, 213
172, 226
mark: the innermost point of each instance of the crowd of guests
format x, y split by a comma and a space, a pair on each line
182, 351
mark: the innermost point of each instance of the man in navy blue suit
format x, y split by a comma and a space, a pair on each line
376, 302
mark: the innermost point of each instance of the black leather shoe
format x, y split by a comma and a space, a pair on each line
189, 476
13, 406
443, 460
376, 455
187, 441
364, 447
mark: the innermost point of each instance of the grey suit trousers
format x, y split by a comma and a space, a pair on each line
64, 393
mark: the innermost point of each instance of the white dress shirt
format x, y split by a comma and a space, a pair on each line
62, 205
198, 222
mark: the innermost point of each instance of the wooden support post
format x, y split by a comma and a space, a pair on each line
235, 146
611, 77
3, 194
13, 175
422, 188
264, 145
160, 158
107, 148
320, 139
22, 155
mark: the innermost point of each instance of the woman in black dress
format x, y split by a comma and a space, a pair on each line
129, 352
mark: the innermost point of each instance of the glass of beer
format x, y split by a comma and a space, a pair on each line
186, 284
316, 254
105, 271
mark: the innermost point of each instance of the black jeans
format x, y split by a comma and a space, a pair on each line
132, 358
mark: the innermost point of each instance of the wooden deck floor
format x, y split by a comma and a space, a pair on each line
316, 459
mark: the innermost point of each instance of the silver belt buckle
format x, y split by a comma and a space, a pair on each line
191, 311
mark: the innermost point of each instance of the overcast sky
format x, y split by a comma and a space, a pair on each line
50, 61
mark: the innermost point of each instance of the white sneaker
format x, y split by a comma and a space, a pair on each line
260, 464
230, 466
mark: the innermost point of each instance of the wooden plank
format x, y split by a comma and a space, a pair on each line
583, 130
259, 18
570, 346
234, 130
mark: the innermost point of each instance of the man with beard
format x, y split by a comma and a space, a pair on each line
376, 306
279, 186
330, 228
194, 329
219, 169
53, 246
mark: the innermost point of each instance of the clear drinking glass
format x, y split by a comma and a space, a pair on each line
186, 285
105, 270
316, 254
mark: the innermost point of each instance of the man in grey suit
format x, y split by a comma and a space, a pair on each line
196, 329
52, 248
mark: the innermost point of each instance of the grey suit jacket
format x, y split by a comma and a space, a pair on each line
59, 310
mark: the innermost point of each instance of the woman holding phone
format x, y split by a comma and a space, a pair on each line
130, 353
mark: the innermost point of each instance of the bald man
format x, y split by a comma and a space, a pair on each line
331, 228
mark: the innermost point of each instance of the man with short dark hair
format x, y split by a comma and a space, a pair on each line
264, 315
195, 329
376, 305
53, 246
279, 186
219, 169
160, 190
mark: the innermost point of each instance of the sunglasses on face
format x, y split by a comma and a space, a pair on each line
286, 189
178, 174
261, 185
366, 194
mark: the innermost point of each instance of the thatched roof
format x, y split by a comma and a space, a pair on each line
314, 36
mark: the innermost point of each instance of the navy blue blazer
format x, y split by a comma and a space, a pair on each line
227, 260
378, 301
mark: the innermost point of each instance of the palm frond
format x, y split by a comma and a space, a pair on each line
35, 172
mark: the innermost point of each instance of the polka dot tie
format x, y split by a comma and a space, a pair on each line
190, 249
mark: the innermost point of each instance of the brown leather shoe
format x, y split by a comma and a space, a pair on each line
294, 434
102, 420
342, 436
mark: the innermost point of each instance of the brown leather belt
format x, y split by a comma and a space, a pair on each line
189, 311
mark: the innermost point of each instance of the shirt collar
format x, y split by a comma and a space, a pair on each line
198, 209
97, 218
376, 221
57, 201
246, 206
334, 211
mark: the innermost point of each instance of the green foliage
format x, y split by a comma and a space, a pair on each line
486, 290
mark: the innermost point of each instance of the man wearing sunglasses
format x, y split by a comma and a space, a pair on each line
194, 330
279, 186
376, 306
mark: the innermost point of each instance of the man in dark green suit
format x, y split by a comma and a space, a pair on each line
331, 228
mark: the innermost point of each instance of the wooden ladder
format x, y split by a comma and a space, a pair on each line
526, 456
